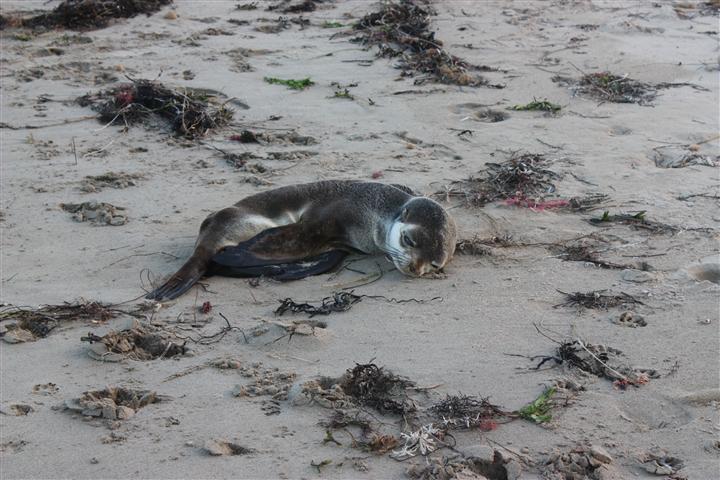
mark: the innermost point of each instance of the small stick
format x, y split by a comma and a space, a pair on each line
74, 151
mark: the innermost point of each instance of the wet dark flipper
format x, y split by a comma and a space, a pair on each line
238, 262
177, 284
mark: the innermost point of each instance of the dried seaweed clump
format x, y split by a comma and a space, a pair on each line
92, 14
112, 403
32, 324
598, 300
374, 387
191, 113
467, 411
402, 29
365, 385
339, 302
637, 221
601, 361
608, 87
524, 177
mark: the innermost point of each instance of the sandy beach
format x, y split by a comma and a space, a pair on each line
241, 397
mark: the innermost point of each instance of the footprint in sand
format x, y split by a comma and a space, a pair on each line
707, 269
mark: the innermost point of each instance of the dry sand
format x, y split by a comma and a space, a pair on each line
489, 303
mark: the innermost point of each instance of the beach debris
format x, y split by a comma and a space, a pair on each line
599, 360
269, 382
375, 387
220, 447
45, 389
539, 410
581, 462
95, 183
537, 106
608, 87
402, 30
630, 319
598, 299
493, 466
292, 84
87, 14
287, 138
33, 323
422, 441
320, 464
660, 464
97, 213
135, 342
365, 385
16, 409
689, 10
489, 115
300, 6
190, 112
475, 247
467, 411
296, 327
524, 176
113, 403
338, 302
670, 156
637, 220
585, 252
329, 24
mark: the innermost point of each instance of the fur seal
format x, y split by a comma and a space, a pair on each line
292, 223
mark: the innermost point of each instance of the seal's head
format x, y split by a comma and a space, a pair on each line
422, 237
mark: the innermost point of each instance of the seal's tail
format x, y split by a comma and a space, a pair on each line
181, 281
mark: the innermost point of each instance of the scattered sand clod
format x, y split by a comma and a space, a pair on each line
134, 342
95, 183
97, 213
113, 403
221, 447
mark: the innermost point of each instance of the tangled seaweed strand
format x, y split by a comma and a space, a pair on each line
596, 299
403, 30
523, 176
339, 302
468, 411
372, 386
41, 321
92, 14
608, 87
189, 112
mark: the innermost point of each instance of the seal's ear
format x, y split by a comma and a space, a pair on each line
404, 215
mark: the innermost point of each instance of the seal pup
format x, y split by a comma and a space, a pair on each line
300, 221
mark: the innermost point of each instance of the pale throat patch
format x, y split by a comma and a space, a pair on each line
393, 236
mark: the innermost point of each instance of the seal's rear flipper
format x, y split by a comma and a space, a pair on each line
179, 283
238, 262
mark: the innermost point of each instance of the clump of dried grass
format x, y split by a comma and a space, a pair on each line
524, 177
402, 30
608, 87
191, 113
90, 14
